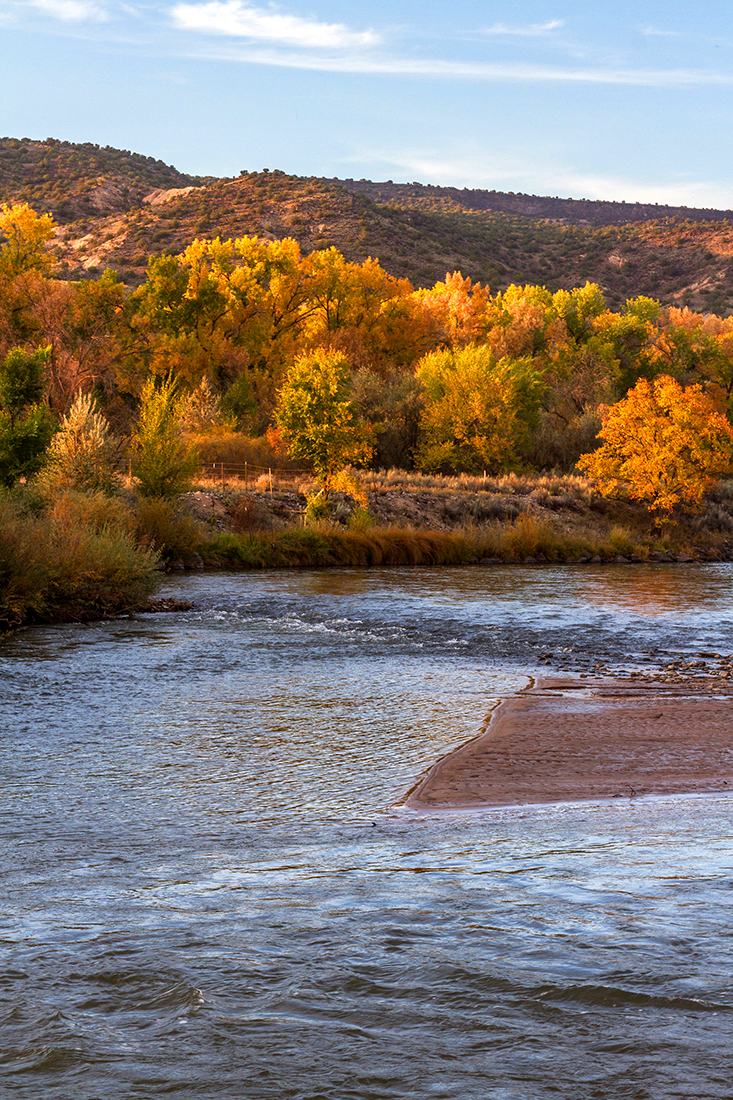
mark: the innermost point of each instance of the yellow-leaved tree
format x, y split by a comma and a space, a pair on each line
319, 421
478, 410
664, 443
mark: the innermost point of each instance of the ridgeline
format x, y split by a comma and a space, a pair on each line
114, 208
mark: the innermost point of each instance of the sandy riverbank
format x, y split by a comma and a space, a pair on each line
564, 740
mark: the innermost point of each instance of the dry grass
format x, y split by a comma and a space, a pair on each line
171, 534
326, 544
505, 484
77, 560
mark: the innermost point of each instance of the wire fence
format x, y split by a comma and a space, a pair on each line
247, 472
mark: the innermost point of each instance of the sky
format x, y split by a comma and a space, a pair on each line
619, 100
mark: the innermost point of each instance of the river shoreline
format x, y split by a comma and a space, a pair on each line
575, 739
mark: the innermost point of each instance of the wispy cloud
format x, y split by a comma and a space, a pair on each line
72, 11
533, 30
472, 167
466, 70
237, 19
656, 32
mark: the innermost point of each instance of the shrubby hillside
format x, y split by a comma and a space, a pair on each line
115, 208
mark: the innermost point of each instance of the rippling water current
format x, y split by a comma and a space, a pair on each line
209, 888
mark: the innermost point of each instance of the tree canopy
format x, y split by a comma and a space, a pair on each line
663, 443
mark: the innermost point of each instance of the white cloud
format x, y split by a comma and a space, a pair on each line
72, 11
534, 30
239, 19
466, 70
657, 33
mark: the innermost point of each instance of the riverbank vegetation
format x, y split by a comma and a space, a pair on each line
346, 417
75, 558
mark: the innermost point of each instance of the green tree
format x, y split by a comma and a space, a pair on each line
319, 421
163, 463
26, 424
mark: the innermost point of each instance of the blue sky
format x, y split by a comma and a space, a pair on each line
617, 100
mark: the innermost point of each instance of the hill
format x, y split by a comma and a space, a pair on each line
114, 208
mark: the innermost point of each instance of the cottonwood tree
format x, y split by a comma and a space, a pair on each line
664, 444
318, 419
477, 410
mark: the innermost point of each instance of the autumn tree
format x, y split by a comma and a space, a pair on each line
478, 410
24, 236
318, 418
664, 444
25, 265
457, 311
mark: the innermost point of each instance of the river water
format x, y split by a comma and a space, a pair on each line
209, 888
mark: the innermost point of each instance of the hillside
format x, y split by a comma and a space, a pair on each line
75, 182
115, 208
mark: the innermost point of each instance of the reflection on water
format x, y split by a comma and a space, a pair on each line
209, 891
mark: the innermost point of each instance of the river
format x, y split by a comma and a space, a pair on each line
210, 888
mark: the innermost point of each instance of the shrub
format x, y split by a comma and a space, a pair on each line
170, 534
77, 560
82, 454
246, 514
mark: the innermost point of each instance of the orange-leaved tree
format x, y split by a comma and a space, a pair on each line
663, 443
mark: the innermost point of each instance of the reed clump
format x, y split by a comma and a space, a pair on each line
527, 537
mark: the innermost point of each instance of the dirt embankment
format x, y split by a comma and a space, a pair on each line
510, 519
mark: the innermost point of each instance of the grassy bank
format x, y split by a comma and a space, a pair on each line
522, 540
86, 556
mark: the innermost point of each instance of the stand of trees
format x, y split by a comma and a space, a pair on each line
450, 379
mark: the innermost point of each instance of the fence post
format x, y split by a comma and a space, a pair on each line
245, 477
222, 475
270, 473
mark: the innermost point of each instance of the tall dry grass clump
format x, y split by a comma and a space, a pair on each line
77, 559
23, 571
162, 528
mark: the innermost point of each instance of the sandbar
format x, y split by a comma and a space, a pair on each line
569, 740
